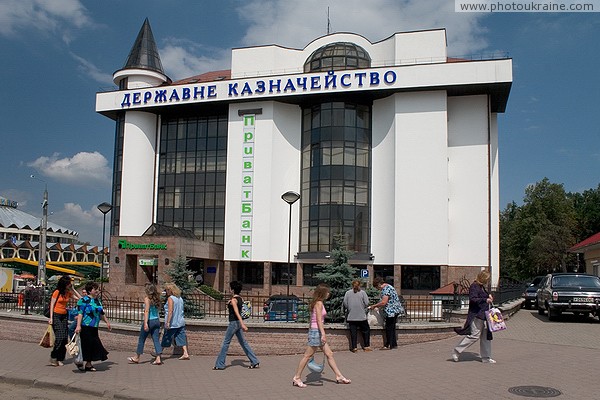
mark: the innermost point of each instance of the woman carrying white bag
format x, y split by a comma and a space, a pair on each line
475, 326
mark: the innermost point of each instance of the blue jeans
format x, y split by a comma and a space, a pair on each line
153, 329
235, 328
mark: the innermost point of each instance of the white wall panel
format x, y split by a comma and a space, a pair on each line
468, 180
276, 171
137, 183
383, 208
417, 201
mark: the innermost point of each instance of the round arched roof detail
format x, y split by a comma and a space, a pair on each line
338, 56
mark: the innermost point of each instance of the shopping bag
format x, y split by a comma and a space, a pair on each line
314, 366
374, 317
495, 320
48, 338
79, 357
73, 346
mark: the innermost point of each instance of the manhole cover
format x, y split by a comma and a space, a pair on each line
534, 391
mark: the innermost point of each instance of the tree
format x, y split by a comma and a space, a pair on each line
180, 276
338, 275
535, 237
587, 210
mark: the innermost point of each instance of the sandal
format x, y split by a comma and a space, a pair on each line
342, 380
157, 362
298, 382
92, 369
184, 358
132, 360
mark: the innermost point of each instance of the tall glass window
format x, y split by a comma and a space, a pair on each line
336, 178
115, 215
191, 179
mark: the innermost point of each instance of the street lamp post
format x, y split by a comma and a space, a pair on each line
104, 209
41, 275
290, 198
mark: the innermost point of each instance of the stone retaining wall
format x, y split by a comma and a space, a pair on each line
205, 336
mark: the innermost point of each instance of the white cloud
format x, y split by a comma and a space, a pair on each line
295, 24
56, 16
87, 223
90, 70
180, 59
83, 169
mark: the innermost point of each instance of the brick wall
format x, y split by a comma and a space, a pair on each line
205, 337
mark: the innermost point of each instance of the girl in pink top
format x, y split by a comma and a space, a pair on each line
317, 338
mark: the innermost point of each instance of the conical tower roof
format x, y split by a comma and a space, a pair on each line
144, 54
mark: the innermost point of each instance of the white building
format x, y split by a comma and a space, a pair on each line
392, 145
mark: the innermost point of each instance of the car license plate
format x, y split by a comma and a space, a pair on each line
583, 299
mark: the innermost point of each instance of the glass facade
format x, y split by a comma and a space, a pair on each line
310, 272
338, 56
191, 179
336, 178
250, 272
420, 277
279, 274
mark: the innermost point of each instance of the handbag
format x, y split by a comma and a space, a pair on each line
495, 320
167, 338
48, 338
314, 366
73, 345
246, 309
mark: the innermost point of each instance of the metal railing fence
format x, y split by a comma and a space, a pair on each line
419, 308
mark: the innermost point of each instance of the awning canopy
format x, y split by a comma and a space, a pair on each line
80, 269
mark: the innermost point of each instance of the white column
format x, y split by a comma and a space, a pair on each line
138, 173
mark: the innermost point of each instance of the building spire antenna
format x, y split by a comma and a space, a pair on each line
328, 22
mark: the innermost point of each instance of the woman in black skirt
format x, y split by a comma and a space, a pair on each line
88, 318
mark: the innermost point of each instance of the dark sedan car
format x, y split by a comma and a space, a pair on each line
569, 292
530, 294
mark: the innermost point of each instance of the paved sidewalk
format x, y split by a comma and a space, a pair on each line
532, 352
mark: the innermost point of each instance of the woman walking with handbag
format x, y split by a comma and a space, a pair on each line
317, 338
90, 312
59, 318
392, 307
150, 325
475, 325
236, 327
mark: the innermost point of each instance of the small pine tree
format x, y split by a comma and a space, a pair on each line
181, 276
338, 275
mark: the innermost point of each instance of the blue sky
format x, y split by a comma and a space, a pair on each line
57, 54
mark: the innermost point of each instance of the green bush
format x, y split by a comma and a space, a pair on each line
209, 290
